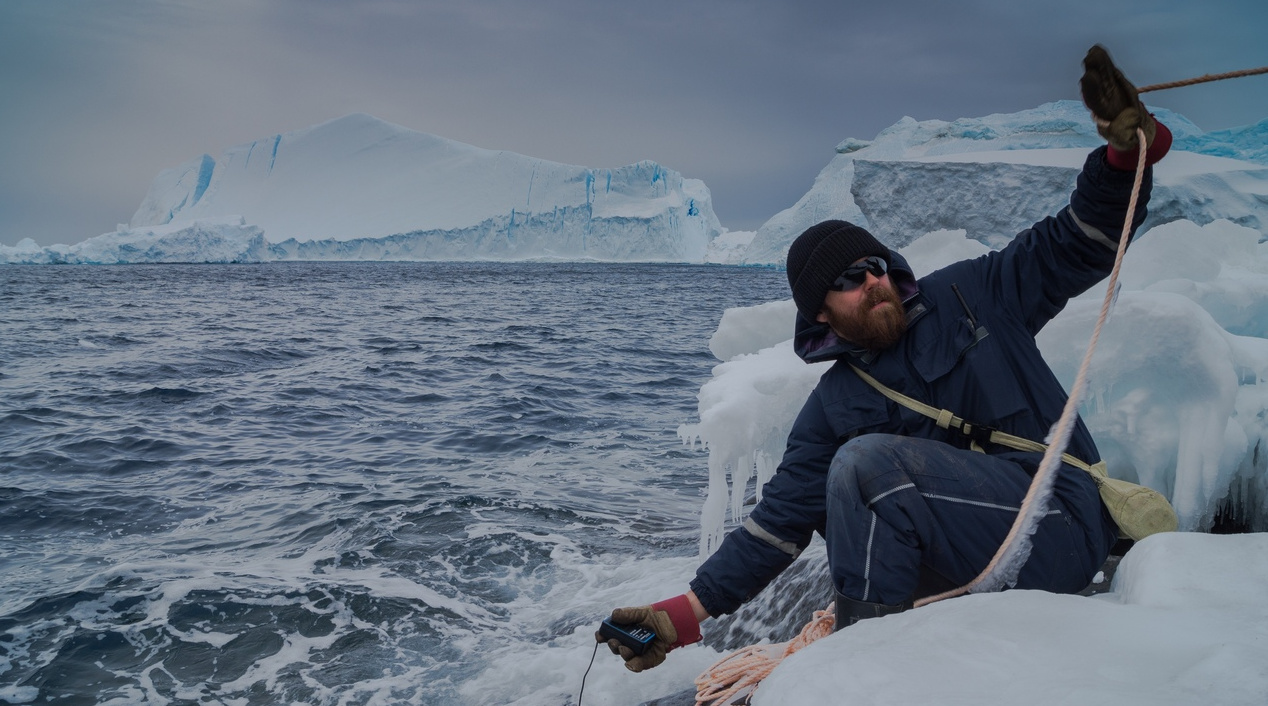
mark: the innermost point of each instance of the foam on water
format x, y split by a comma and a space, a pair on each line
346, 483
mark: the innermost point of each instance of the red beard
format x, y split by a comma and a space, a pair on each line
868, 326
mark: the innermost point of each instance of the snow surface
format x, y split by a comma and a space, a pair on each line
1186, 622
729, 247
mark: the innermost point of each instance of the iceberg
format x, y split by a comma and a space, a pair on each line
990, 176
361, 188
212, 240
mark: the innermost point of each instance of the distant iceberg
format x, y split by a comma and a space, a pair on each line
361, 188
219, 241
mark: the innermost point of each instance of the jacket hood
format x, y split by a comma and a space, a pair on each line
816, 342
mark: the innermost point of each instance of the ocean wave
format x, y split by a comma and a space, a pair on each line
338, 483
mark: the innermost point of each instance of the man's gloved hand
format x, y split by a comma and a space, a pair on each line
672, 620
1118, 111
1113, 102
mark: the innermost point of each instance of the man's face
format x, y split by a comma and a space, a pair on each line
870, 315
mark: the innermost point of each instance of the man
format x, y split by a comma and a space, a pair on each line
909, 508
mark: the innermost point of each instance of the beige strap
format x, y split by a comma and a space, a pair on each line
947, 420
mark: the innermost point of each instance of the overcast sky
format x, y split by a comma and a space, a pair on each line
749, 95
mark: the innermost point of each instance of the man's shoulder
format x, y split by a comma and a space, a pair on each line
839, 384
844, 404
959, 270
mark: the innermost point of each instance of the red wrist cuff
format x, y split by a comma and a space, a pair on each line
683, 618
1125, 161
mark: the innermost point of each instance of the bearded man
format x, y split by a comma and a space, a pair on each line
907, 507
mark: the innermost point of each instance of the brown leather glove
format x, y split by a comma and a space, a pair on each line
1114, 103
673, 621
657, 621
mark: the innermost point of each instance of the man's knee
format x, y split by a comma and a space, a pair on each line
861, 460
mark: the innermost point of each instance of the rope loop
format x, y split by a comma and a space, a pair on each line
738, 674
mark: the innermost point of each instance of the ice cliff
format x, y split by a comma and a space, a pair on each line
995, 175
361, 188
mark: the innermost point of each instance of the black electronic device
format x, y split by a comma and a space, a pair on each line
633, 636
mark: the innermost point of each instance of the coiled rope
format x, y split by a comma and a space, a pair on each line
738, 674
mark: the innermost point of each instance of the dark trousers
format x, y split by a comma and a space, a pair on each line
910, 516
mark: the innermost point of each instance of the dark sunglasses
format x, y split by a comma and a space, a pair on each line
856, 274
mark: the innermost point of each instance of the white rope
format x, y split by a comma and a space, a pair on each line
1008, 560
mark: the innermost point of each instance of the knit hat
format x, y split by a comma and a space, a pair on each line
820, 254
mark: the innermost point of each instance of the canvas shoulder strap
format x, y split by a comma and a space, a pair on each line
978, 433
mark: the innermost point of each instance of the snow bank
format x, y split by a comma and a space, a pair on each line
1186, 622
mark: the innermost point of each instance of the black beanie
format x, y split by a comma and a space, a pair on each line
820, 254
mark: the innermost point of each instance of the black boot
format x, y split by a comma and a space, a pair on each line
850, 611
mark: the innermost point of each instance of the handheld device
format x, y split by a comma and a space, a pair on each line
635, 637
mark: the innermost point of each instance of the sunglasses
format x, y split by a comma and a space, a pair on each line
855, 275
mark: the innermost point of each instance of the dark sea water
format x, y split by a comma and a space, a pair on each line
343, 483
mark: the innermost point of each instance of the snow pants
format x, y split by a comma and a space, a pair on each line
911, 517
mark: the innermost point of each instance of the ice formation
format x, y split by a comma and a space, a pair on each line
994, 175
1178, 395
211, 240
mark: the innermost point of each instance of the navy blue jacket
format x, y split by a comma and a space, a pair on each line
975, 357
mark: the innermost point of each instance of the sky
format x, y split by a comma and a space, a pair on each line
750, 96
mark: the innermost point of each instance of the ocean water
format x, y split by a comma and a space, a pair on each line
343, 483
